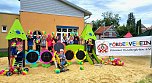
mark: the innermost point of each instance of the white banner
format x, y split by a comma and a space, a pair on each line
135, 46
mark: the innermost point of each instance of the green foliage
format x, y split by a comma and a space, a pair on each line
110, 19
138, 27
96, 24
122, 30
131, 25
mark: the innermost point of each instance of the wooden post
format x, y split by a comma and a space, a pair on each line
24, 53
9, 62
85, 45
151, 54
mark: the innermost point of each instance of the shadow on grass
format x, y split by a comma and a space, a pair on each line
3, 54
147, 79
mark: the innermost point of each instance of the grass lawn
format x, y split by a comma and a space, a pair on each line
147, 79
3, 54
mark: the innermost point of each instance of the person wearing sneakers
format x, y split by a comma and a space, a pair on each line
62, 58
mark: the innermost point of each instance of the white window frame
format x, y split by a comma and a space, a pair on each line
3, 27
65, 32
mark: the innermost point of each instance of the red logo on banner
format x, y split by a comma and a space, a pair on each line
102, 48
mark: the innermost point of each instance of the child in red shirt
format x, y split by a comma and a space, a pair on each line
49, 39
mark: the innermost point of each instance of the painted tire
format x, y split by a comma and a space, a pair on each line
46, 56
32, 56
80, 55
69, 55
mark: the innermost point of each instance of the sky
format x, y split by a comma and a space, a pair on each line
142, 9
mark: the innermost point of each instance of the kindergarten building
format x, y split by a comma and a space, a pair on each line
59, 16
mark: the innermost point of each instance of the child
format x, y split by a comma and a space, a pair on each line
89, 46
76, 40
70, 41
30, 41
49, 39
62, 58
37, 41
20, 56
43, 42
13, 50
64, 40
56, 39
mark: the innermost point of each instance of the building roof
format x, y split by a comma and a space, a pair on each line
86, 12
101, 29
143, 26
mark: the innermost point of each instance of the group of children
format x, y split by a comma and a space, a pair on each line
41, 41
71, 40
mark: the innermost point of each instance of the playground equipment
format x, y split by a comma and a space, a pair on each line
32, 57
46, 58
16, 31
87, 34
78, 52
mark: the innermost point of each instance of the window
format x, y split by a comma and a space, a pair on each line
36, 33
4, 28
75, 30
61, 30
69, 30
110, 34
58, 29
64, 30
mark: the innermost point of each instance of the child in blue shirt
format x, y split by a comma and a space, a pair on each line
62, 58
30, 41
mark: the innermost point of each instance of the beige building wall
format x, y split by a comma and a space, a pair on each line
6, 20
48, 22
37, 21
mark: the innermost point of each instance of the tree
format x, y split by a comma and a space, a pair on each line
122, 30
110, 19
138, 27
131, 25
96, 24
